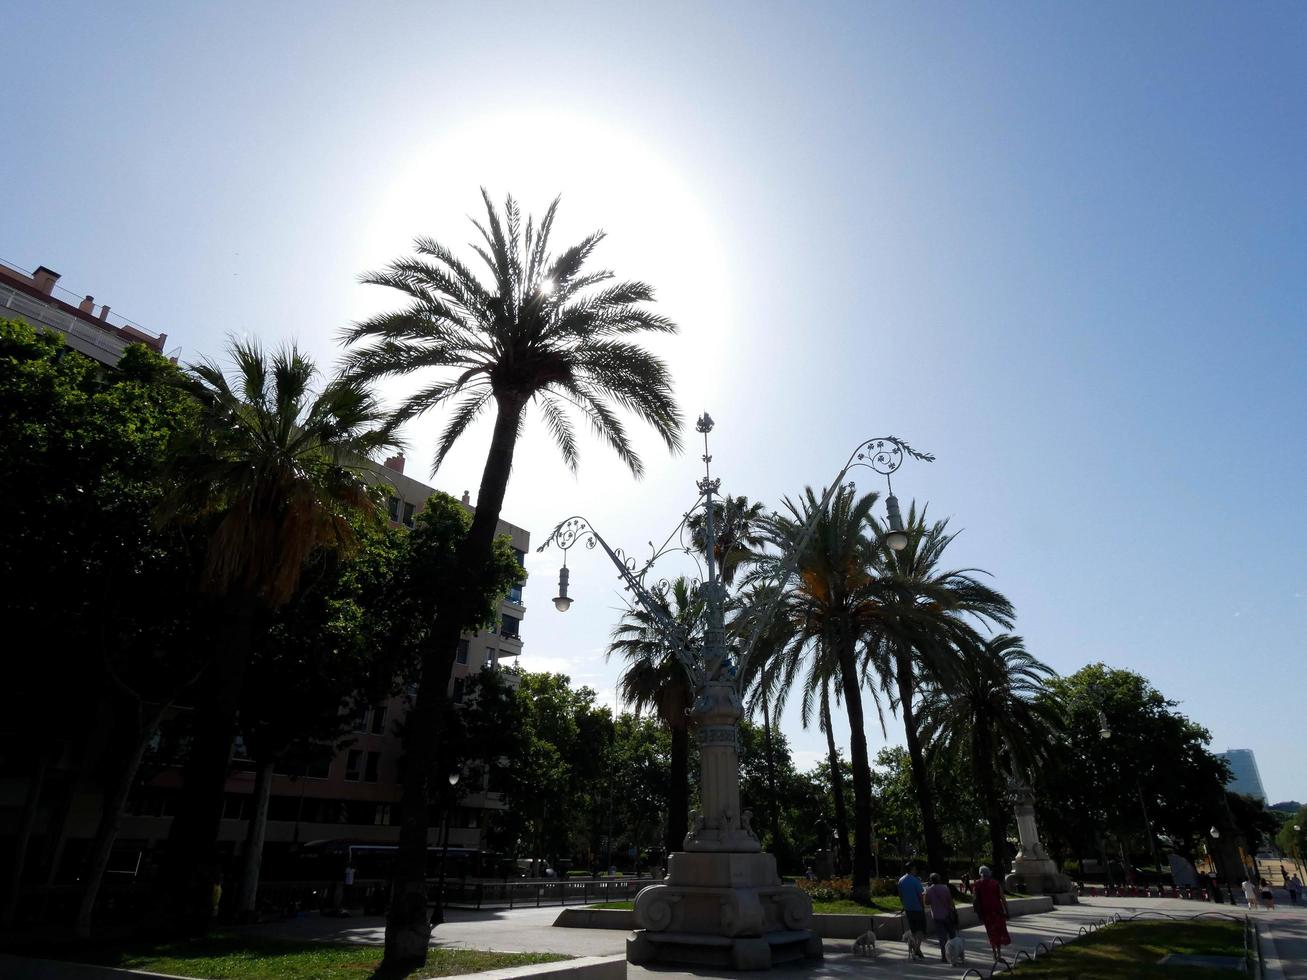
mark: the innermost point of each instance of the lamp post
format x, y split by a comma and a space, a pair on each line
1297, 852
721, 885
438, 913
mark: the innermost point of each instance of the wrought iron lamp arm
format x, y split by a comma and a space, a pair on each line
884, 455
569, 531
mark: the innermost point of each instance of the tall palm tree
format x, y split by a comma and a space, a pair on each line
737, 527
541, 329
928, 611
994, 714
654, 678
274, 471
828, 607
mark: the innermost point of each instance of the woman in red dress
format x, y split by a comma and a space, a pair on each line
991, 907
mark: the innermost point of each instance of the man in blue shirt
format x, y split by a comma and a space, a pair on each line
910, 894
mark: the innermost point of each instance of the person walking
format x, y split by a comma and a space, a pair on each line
943, 912
1250, 894
991, 907
1295, 886
1268, 896
911, 893
966, 882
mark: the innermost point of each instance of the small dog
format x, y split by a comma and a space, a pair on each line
865, 945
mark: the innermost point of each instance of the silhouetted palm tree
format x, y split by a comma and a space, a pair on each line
654, 678
274, 471
543, 330
927, 613
995, 715
737, 527
827, 608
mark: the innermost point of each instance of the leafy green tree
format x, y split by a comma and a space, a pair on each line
925, 612
325, 652
82, 567
274, 472
545, 330
654, 678
990, 718
1150, 770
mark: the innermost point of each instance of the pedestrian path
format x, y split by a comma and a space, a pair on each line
532, 930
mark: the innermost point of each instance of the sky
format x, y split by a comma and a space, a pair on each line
1062, 247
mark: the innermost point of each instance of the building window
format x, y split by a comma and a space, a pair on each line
521, 558
383, 815
378, 720
492, 656
408, 515
510, 626
461, 656
361, 720
319, 768
392, 504
459, 684
515, 595
370, 771
353, 765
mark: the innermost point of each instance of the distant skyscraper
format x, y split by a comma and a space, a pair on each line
1244, 777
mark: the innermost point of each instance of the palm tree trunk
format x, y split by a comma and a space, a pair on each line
991, 801
408, 926
858, 760
24, 837
111, 818
837, 787
678, 791
193, 866
920, 777
774, 801
252, 858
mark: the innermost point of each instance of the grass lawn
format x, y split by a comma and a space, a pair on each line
223, 956
842, 906
1131, 950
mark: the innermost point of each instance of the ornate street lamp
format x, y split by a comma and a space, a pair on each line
721, 886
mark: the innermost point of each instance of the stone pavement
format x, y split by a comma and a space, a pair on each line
530, 930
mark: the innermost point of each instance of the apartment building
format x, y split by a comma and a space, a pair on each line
90, 329
353, 795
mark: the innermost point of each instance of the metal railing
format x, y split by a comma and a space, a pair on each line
554, 891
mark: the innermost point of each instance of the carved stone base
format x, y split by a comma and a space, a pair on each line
722, 909
1038, 876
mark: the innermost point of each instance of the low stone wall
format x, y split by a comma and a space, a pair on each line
887, 925
596, 919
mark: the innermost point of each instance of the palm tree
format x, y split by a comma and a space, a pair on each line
995, 714
274, 472
827, 609
542, 330
737, 526
928, 613
654, 678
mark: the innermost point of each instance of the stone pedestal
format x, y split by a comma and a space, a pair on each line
1033, 871
723, 909
723, 903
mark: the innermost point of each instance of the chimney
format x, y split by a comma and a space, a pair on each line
87, 304
467, 499
45, 279
104, 312
395, 463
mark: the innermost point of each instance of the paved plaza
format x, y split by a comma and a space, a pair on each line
532, 930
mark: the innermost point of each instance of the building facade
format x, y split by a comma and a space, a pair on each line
95, 331
354, 795
1245, 777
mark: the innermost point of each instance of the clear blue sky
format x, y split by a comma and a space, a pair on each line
1063, 247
